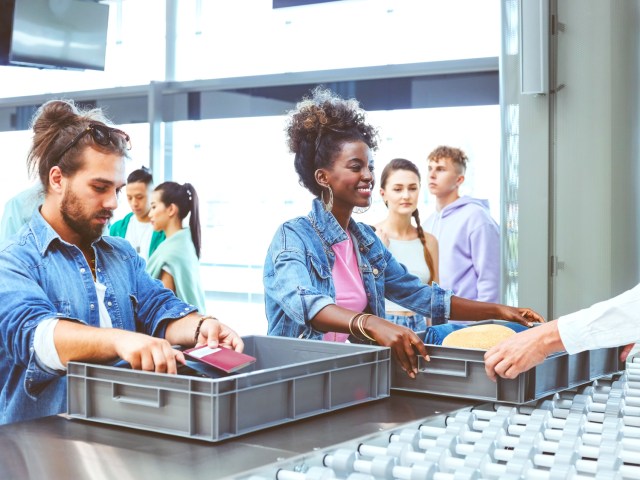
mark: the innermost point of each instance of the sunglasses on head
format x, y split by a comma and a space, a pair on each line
101, 134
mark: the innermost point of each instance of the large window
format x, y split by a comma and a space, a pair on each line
247, 186
239, 38
16, 148
229, 141
222, 39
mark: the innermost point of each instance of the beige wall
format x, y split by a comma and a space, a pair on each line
590, 131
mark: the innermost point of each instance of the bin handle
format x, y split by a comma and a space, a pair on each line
156, 402
455, 369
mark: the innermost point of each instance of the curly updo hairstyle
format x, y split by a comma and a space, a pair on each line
317, 129
55, 124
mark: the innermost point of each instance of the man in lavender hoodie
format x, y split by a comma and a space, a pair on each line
468, 237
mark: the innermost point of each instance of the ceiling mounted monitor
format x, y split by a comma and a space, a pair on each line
70, 34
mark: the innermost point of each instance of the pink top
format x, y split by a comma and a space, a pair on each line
348, 283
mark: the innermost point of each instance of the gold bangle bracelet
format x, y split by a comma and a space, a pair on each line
351, 324
357, 320
361, 320
360, 327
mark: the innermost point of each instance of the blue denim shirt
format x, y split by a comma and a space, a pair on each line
41, 277
298, 283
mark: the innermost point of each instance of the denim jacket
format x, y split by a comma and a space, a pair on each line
298, 282
42, 277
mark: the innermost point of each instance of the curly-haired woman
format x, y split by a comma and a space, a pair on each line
325, 272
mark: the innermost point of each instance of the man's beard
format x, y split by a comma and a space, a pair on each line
75, 217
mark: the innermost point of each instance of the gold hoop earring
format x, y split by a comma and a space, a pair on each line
328, 206
361, 209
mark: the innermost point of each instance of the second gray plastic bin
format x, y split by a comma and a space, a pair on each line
291, 379
459, 372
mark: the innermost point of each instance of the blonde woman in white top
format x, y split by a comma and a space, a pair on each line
409, 244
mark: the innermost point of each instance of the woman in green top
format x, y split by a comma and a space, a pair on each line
176, 262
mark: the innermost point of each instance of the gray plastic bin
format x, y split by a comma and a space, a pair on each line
291, 379
459, 372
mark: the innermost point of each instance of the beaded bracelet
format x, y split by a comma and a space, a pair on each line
200, 322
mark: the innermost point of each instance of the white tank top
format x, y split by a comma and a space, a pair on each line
411, 254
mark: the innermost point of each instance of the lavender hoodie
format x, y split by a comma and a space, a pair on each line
469, 244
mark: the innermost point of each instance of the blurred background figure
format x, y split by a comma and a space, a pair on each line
136, 225
468, 237
176, 262
410, 245
18, 210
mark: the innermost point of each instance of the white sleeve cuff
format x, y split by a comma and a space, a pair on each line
44, 345
606, 324
568, 329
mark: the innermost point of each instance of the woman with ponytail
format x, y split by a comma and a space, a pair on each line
176, 262
409, 244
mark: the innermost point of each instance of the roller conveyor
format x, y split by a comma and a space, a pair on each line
585, 433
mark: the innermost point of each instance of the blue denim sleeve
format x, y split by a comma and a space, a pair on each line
290, 285
38, 376
408, 290
23, 305
440, 304
157, 305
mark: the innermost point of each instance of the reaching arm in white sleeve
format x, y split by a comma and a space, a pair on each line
610, 323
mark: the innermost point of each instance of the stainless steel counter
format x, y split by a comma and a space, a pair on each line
60, 448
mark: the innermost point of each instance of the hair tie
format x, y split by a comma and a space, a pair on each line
189, 195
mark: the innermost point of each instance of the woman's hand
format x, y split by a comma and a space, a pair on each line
403, 342
523, 316
465, 309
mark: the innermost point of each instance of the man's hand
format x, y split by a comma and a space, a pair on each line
522, 351
144, 352
626, 351
78, 342
214, 333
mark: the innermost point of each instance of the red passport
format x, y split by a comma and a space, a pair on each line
223, 359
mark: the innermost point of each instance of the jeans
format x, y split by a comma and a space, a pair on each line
417, 323
435, 335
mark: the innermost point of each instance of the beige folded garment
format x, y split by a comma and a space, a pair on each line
478, 336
